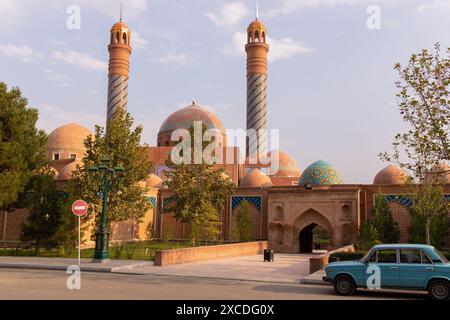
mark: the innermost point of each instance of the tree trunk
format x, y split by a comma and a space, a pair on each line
427, 231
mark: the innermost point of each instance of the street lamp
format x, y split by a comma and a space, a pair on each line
105, 172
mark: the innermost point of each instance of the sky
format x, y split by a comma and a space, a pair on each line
331, 82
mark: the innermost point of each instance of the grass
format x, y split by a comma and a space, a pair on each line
131, 251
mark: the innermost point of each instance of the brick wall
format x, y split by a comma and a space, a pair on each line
403, 218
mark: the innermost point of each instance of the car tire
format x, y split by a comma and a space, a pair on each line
439, 290
344, 285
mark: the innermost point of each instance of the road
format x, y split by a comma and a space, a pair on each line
49, 285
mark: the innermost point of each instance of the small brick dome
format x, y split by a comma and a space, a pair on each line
390, 175
439, 174
67, 140
255, 178
66, 172
153, 181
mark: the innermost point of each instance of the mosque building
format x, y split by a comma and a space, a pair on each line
286, 205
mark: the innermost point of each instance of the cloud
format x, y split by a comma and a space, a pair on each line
284, 48
289, 6
438, 6
230, 15
24, 53
51, 117
137, 42
132, 9
174, 57
82, 60
54, 76
11, 12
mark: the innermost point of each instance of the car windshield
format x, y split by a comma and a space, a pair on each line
441, 256
366, 257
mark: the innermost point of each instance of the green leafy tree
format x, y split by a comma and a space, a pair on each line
423, 97
22, 146
244, 222
47, 205
430, 220
424, 104
122, 145
199, 192
368, 236
383, 222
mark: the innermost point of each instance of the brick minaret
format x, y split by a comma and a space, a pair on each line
119, 66
257, 50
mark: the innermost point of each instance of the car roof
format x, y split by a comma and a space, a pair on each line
403, 246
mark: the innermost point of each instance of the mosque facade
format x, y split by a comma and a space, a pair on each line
287, 205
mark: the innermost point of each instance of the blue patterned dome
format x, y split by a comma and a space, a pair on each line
320, 173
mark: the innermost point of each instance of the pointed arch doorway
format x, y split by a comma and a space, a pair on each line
314, 232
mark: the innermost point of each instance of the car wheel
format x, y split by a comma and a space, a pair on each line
439, 290
344, 285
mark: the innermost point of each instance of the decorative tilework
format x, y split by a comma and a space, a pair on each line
152, 200
320, 173
254, 200
406, 200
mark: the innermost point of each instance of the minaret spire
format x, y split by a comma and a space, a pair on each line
257, 9
121, 11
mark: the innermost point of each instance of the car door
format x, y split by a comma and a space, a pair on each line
386, 260
415, 268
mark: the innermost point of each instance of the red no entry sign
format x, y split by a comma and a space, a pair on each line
79, 208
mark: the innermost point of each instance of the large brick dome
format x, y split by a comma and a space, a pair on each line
439, 174
66, 141
66, 172
184, 119
390, 175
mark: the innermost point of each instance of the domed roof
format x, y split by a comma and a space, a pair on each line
153, 181
257, 24
185, 118
66, 172
439, 174
119, 26
320, 173
255, 178
70, 136
390, 175
54, 172
287, 166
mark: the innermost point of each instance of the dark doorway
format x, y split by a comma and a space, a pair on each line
306, 239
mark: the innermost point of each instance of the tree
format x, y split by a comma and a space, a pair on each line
424, 103
368, 236
22, 146
425, 106
199, 192
46, 220
429, 215
122, 145
244, 222
383, 222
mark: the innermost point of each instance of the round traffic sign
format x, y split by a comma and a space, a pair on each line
79, 208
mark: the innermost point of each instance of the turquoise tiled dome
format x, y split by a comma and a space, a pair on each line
320, 173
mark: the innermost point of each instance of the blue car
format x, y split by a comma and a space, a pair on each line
394, 266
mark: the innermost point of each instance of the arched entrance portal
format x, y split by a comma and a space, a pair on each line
306, 239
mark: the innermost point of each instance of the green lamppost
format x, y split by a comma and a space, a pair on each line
105, 173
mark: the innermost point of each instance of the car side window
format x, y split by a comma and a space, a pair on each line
425, 258
411, 256
387, 256
373, 258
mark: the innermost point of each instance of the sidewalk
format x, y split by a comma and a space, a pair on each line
315, 279
62, 264
285, 269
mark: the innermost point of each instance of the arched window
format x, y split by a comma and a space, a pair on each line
346, 211
256, 36
124, 38
112, 37
250, 38
264, 37
117, 37
279, 214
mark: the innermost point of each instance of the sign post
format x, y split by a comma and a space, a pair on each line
79, 208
